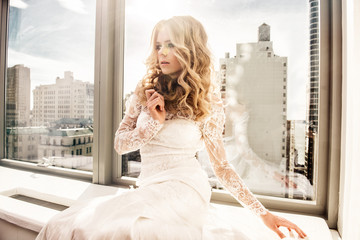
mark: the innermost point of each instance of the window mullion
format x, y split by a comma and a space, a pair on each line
103, 99
3, 45
118, 106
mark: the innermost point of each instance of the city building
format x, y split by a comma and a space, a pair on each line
72, 123
299, 186
18, 96
313, 85
70, 148
312, 111
67, 98
256, 80
22, 142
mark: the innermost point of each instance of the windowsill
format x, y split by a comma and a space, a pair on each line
54, 189
66, 191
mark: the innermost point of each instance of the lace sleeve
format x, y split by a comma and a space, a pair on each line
212, 135
130, 136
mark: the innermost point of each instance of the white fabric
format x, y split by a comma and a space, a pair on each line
172, 201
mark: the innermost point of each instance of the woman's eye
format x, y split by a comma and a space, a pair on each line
170, 45
157, 47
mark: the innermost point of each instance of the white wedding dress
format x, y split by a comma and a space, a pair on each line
172, 200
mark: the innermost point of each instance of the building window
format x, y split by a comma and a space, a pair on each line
48, 89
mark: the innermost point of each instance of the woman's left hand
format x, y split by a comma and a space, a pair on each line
274, 222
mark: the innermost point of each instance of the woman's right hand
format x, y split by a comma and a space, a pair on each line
156, 105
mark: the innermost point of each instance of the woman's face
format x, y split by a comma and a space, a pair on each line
167, 60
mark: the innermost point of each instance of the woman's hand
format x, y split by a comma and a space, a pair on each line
274, 222
156, 105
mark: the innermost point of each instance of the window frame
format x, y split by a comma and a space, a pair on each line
69, 173
328, 144
108, 108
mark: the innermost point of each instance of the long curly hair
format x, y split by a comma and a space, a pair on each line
189, 93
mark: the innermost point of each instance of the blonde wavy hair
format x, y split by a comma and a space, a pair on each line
189, 93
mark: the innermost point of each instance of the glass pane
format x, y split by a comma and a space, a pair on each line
267, 70
50, 83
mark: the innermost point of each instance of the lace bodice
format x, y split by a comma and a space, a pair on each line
177, 140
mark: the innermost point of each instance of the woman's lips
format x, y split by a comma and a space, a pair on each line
164, 63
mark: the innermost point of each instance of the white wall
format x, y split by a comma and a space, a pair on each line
349, 209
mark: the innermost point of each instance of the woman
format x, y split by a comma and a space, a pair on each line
171, 114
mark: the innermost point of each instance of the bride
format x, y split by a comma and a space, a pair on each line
172, 114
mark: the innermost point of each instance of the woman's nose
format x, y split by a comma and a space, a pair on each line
164, 51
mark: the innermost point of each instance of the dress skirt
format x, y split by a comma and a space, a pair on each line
172, 205
161, 208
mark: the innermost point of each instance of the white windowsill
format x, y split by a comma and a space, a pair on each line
66, 191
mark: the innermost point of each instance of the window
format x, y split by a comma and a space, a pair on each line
283, 58
134, 54
50, 50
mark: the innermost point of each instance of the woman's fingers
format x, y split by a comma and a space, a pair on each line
290, 226
291, 234
274, 222
160, 100
152, 104
151, 94
148, 93
155, 95
300, 232
278, 232
157, 113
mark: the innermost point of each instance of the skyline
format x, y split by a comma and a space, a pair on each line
221, 19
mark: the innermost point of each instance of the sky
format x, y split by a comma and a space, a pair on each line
53, 36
